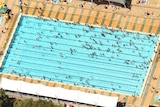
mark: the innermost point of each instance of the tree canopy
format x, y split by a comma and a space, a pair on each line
5, 101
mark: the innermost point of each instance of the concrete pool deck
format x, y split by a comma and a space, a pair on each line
133, 19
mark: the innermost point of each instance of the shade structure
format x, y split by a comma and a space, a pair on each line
68, 94
118, 1
3, 9
29, 88
10, 85
107, 101
49, 91
58, 93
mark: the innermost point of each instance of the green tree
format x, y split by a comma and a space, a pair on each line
4, 99
3, 96
18, 103
41, 103
1, 103
27, 102
50, 104
34, 104
44, 103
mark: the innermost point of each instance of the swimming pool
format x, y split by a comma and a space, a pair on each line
84, 55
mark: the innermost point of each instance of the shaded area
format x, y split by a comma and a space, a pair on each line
5, 101
4, 10
121, 3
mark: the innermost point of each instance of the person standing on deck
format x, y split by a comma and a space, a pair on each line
20, 5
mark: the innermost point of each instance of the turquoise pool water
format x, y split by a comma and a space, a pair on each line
88, 56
